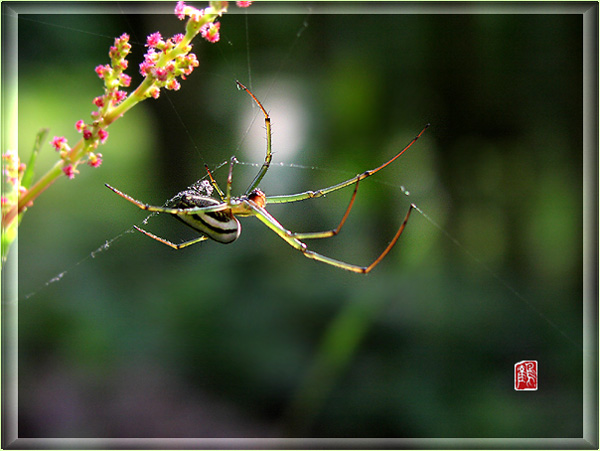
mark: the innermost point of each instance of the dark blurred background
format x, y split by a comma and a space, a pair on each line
252, 339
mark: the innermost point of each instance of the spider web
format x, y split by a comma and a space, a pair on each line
103, 248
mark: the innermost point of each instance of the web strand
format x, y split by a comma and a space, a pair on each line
493, 274
57, 278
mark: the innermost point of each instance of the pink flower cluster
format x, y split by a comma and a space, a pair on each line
210, 29
164, 62
93, 159
165, 74
182, 10
113, 75
92, 136
88, 134
60, 145
12, 170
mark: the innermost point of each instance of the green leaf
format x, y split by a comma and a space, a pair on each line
28, 175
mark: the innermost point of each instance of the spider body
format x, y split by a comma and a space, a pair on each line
216, 218
220, 225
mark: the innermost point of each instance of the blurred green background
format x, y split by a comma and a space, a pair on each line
252, 339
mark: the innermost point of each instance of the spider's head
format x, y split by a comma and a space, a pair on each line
258, 197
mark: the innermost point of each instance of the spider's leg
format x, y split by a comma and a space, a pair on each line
269, 155
142, 205
172, 211
272, 223
293, 241
214, 183
230, 179
167, 242
332, 232
322, 192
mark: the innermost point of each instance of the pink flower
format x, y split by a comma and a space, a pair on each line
154, 39
195, 14
122, 44
149, 62
125, 80
146, 67
102, 70
177, 38
173, 85
119, 96
151, 55
87, 134
155, 92
59, 142
192, 60
70, 171
80, 125
99, 101
103, 135
180, 10
160, 73
241, 4
94, 159
113, 52
187, 64
210, 31
13, 180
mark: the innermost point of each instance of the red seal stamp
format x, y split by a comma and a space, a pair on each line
526, 375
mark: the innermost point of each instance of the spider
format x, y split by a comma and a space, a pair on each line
217, 218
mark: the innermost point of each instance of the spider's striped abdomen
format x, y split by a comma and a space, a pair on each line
220, 226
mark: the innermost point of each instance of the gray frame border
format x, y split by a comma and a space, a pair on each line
589, 440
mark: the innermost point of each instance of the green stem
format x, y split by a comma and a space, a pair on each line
133, 99
39, 187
